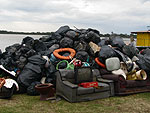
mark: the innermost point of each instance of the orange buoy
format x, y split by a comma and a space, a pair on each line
57, 55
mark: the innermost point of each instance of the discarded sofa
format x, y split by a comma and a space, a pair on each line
125, 87
68, 88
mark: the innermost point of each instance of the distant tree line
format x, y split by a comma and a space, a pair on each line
48, 33
118, 35
26, 33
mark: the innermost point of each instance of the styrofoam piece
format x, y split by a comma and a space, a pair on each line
119, 72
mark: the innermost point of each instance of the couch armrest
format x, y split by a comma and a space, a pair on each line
113, 77
69, 84
110, 82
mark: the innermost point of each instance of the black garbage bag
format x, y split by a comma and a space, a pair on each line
50, 70
9, 64
28, 41
6, 55
103, 42
130, 50
39, 46
23, 50
82, 37
30, 53
13, 48
143, 62
124, 58
31, 89
91, 36
117, 42
91, 52
72, 34
45, 53
106, 52
121, 56
145, 51
63, 29
44, 38
66, 43
94, 30
29, 74
21, 62
82, 55
54, 47
32, 71
37, 60
50, 43
81, 46
55, 36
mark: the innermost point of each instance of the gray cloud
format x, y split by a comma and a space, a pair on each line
104, 15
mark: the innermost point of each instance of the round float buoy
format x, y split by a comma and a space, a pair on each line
57, 55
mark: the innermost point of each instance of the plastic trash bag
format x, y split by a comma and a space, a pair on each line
143, 62
63, 29
50, 43
9, 64
145, 51
54, 47
21, 62
28, 41
130, 51
32, 71
29, 74
66, 43
106, 52
117, 42
102, 43
81, 46
91, 36
31, 89
39, 46
82, 55
13, 48
72, 34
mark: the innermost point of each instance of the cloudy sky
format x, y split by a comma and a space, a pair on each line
119, 16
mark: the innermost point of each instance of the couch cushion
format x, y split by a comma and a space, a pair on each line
83, 74
136, 83
102, 87
67, 75
82, 90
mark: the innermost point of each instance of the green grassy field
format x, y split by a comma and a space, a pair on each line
22, 103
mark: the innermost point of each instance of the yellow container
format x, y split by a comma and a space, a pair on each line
143, 38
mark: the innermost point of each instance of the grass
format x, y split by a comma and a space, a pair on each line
22, 103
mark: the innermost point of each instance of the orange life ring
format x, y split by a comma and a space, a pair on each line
99, 63
57, 55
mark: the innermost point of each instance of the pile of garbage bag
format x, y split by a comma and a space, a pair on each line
34, 59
